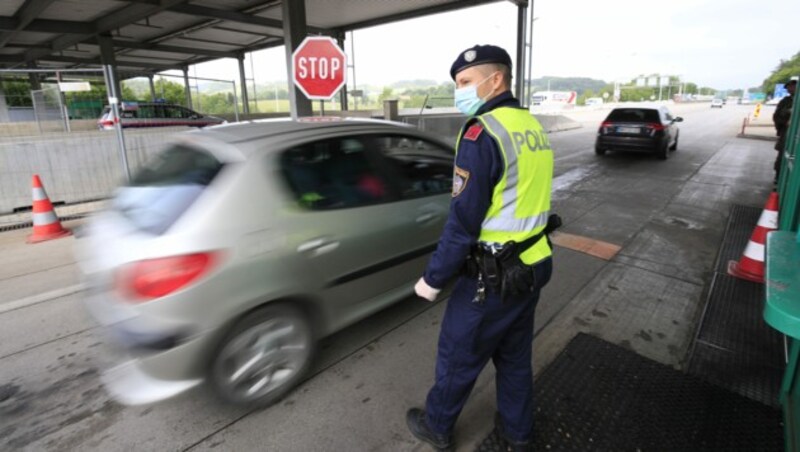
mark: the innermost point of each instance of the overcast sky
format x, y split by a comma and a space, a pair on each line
718, 43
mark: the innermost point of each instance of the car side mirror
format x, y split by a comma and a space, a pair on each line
678, 119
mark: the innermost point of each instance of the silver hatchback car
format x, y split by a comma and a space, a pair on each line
228, 256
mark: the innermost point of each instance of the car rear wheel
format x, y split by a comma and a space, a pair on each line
599, 151
674, 146
662, 151
263, 356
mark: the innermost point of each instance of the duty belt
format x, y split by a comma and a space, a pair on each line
489, 262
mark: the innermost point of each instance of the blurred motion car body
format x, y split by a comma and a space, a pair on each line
231, 254
640, 129
136, 114
717, 103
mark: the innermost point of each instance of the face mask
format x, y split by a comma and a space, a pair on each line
467, 100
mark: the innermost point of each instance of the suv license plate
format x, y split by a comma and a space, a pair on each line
627, 130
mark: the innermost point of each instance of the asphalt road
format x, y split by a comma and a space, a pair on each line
365, 377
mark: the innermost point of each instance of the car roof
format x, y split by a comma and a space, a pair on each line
240, 132
645, 107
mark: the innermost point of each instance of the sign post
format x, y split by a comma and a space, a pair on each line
319, 68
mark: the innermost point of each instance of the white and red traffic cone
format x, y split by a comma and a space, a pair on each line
751, 265
46, 225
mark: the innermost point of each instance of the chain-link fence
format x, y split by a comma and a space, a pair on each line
207, 97
57, 125
48, 110
34, 102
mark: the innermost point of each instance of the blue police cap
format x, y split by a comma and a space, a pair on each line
479, 55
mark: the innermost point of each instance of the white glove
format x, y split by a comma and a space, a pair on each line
425, 291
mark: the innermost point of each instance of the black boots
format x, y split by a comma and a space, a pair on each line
497, 441
415, 418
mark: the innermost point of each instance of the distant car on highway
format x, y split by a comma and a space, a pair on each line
135, 114
717, 103
641, 129
227, 257
593, 101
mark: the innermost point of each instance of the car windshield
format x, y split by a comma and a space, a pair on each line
633, 115
166, 187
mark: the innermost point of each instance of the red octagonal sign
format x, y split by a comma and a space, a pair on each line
319, 67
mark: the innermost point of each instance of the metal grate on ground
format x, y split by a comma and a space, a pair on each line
734, 320
741, 222
734, 347
601, 397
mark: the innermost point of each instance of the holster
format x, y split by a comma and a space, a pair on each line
502, 269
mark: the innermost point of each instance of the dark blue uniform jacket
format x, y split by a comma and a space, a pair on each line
479, 165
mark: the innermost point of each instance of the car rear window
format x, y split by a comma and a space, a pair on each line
633, 115
161, 191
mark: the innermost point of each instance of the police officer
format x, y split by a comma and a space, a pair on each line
781, 118
494, 239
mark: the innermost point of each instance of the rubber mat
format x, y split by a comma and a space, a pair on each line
597, 396
741, 223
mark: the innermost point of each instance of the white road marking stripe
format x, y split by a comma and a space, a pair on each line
35, 299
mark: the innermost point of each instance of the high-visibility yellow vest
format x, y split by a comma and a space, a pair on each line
521, 199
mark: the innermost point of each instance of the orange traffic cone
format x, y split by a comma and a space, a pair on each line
46, 225
751, 265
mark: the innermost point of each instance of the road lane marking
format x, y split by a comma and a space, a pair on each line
35, 299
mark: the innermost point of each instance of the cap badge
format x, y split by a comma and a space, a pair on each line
469, 56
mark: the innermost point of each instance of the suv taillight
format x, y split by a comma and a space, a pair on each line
605, 127
154, 278
656, 126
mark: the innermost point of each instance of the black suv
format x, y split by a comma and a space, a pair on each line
649, 129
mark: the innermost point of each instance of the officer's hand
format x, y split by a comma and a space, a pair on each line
425, 291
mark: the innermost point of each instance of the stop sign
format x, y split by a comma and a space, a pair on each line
319, 67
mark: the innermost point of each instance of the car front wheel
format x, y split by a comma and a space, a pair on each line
263, 356
674, 146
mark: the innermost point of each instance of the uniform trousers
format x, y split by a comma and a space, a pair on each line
471, 334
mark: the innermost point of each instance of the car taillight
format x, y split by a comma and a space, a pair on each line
606, 127
107, 123
656, 126
154, 278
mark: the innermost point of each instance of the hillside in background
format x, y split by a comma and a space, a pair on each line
579, 84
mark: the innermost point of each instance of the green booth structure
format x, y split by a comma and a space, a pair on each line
782, 307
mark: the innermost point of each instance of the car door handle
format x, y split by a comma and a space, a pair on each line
317, 246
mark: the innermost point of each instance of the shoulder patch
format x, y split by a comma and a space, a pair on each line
473, 132
460, 179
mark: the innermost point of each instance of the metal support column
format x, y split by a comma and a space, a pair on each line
187, 86
107, 58
33, 77
152, 88
4, 114
114, 93
62, 104
109, 73
343, 91
243, 85
294, 31
529, 80
520, 72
